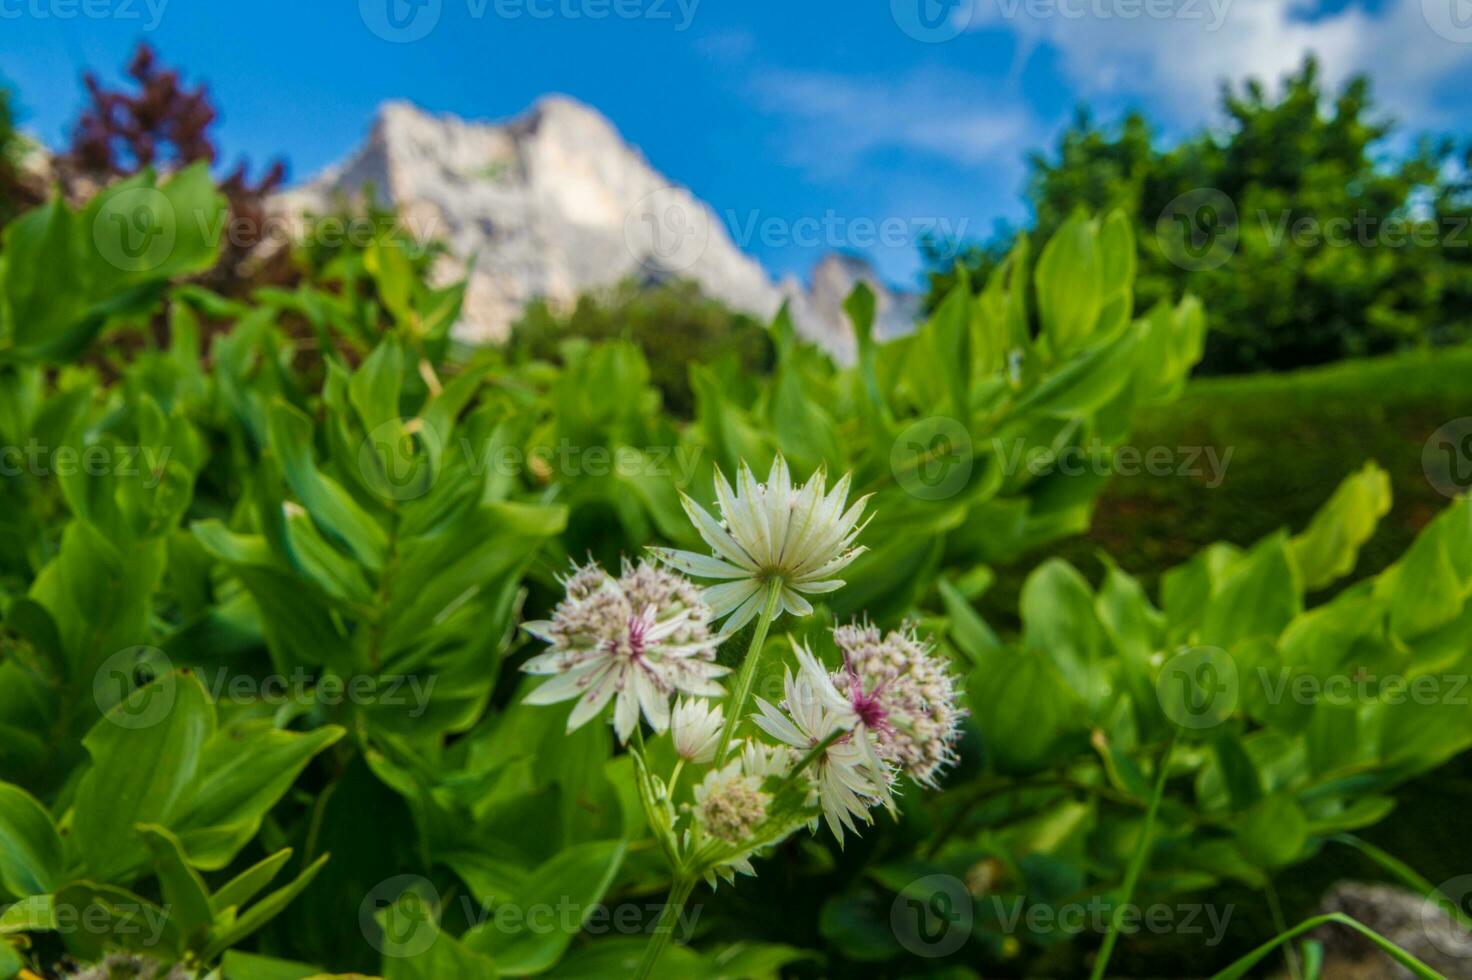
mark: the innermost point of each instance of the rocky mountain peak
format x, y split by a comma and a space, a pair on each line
554, 203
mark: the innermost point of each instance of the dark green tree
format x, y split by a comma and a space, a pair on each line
1308, 236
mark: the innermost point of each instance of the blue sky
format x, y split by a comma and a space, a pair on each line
913, 113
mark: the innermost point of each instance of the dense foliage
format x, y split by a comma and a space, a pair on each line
261, 599
1306, 229
673, 324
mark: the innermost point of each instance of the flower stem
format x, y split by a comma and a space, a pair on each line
1126, 892
669, 917
736, 707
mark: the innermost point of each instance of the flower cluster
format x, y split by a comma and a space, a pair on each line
835, 744
640, 637
903, 694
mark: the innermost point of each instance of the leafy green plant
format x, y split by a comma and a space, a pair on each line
277, 620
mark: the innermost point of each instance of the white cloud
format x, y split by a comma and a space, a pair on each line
837, 121
1175, 53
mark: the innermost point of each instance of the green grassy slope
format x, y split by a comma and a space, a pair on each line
1291, 438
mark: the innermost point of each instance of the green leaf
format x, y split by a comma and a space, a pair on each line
1069, 280
1084, 384
1328, 548
620, 957
31, 861
1117, 271
578, 877
375, 387
1135, 630
248, 966
967, 630
245, 769
1024, 709
1258, 597
1424, 588
246, 885
1274, 832
185, 894
262, 912
1059, 622
94, 918
424, 952
1239, 772
324, 498
145, 752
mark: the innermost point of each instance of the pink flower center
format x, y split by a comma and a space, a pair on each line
870, 711
867, 705
636, 637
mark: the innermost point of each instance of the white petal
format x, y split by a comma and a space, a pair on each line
757, 515
774, 723
701, 566
819, 588
796, 604
592, 703
727, 596
746, 612
540, 628
716, 536
656, 706
565, 686
625, 713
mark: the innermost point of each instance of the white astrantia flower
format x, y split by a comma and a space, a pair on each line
636, 640
764, 761
730, 803
801, 537
849, 775
902, 692
695, 725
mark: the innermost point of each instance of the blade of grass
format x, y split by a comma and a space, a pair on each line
1239, 969
1136, 866
1407, 876
1280, 923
